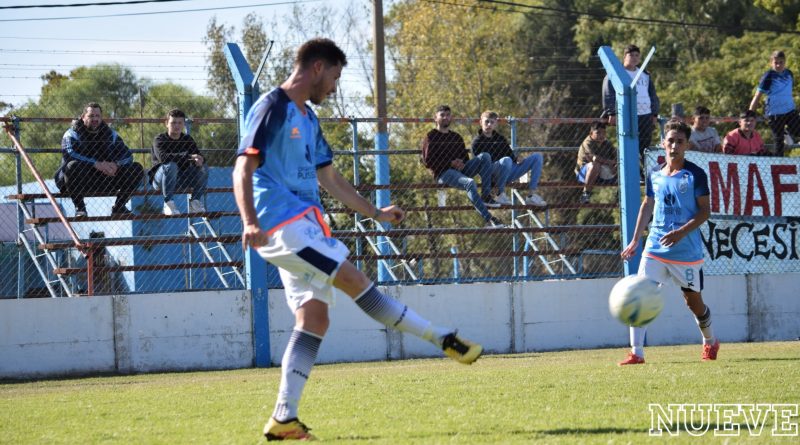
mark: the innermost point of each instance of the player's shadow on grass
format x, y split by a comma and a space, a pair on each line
763, 359
568, 431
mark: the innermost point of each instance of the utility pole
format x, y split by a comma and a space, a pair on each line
382, 197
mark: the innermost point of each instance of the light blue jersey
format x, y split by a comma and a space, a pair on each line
290, 147
675, 204
778, 88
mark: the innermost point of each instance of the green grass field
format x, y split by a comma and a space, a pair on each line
557, 397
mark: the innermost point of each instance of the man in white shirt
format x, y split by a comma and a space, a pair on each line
646, 99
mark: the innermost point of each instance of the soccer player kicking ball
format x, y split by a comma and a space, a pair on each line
678, 190
282, 160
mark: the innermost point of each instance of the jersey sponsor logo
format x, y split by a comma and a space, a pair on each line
295, 133
683, 185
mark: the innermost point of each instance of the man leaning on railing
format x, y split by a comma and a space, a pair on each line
95, 160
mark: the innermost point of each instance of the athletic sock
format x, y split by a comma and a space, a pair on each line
704, 323
637, 340
301, 352
394, 314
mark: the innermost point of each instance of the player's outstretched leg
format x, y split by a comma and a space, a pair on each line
394, 314
636, 354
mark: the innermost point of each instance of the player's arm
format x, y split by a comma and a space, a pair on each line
252, 235
703, 211
339, 188
645, 212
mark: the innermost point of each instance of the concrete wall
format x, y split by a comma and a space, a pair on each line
212, 330
133, 333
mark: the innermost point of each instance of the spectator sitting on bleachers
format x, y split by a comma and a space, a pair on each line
596, 161
177, 163
704, 137
506, 167
95, 159
744, 140
444, 153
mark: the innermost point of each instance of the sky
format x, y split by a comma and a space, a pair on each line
163, 45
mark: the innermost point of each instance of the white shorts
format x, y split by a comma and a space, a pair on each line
307, 261
686, 276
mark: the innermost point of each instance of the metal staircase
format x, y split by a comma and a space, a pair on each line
377, 242
532, 241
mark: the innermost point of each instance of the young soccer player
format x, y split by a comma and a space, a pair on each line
678, 191
282, 159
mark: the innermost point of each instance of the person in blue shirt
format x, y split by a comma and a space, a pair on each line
282, 159
677, 199
780, 110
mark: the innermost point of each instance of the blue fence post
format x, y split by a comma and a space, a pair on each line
382, 196
628, 136
255, 266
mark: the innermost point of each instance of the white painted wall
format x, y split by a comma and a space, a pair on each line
212, 330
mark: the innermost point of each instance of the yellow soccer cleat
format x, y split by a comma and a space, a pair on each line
461, 350
289, 430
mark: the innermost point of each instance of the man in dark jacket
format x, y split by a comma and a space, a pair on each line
177, 163
444, 153
96, 161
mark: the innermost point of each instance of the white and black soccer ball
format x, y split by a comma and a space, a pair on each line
636, 300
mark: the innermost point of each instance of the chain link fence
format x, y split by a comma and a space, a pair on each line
443, 239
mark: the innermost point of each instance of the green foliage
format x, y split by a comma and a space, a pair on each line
550, 398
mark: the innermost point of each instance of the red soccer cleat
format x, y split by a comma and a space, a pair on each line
710, 351
632, 359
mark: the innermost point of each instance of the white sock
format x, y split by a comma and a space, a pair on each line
394, 314
301, 352
704, 323
637, 340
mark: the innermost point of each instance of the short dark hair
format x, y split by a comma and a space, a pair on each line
777, 55
700, 110
678, 126
747, 113
175, 113
632, 49
319, 49
443, 108
598, 126
91, 105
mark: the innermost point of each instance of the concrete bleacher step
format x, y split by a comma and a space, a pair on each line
146, 267
132, 217
459, 208
597, 228
31, 196
433, 185
142, 241
466, 255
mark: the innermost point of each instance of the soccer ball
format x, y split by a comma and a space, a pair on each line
635, 300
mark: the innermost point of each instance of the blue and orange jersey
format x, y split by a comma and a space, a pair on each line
290, 146
675, 204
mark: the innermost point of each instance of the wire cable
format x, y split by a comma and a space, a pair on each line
71, 5
220, 8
